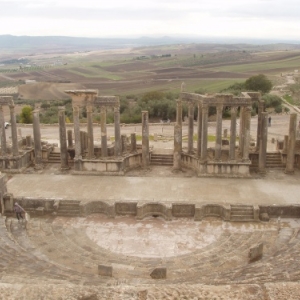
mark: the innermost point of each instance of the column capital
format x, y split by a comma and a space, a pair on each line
219, 108
204, 107
89, 109
234, 109
102, 108
248, 108
190, 104
76, 109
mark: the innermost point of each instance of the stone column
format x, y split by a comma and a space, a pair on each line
117, 131
78, 154
63, 139
190, 128
83, 142
103, 132
20, 132
285, 144
28, 141
124, 143
145, 139
37, 138
218, 146
133, 143
70, 139
204, 132
232, 133
241, 131
89, 111
290, 159
262, 159
178, 137
199, 129
3, 134
261, 107
86, 141
14, 133
225, 133
246, 131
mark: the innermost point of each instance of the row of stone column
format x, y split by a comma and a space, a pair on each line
14, 134
90, 134
202, 128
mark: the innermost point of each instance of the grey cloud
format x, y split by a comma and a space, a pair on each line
14, 9
264, 9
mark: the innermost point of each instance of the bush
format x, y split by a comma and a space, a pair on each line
235, 88
259, 83
271, 100
278, 109
26, 115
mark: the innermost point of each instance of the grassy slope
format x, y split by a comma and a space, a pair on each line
122, 73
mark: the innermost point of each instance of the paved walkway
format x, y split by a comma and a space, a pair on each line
159, 184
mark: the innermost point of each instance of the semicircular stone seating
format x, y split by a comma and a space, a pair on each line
55, 252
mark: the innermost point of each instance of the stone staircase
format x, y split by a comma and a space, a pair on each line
54, 158
70, 208
273, 160
242, 213
161, 159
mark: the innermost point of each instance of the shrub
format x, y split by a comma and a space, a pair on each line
259, 83
26, 115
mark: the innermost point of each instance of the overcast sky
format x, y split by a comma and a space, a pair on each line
273, 19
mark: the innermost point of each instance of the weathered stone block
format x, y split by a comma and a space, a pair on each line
225, 142
256, 252
183, 210
40, 211
265, 217
126, 208
105, 270
159, 273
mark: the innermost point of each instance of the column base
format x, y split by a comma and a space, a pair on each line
38, 167
289, 172
176, 170
246, 160
65, 168
262, 171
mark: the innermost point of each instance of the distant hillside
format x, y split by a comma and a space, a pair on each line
57, 44
65, 43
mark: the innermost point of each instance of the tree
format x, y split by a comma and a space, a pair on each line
26, 115
259, 83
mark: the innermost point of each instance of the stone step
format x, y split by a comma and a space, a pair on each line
241, 208
241, 219
242, 213
68, 213
54, 157
162, 159
160, 163
69, 205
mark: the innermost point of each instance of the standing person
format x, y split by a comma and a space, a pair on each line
18, 210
